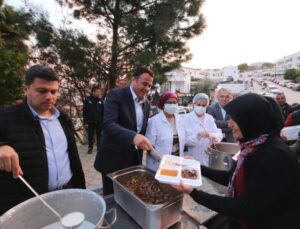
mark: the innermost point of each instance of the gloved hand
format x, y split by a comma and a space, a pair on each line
214, 137
203, 134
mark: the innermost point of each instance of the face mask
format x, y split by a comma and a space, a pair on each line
171, 108
199, 110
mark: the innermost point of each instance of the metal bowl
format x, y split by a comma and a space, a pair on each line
34, 215
220, 155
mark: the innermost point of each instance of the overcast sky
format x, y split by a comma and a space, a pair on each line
246, 31
238, 31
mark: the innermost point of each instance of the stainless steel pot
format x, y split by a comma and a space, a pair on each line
33, 214
148, 216
220, 155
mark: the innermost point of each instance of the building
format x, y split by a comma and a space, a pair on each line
179, 80
287, 62
224, 74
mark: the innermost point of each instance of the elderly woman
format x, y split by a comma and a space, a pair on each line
200, 129
264, 188
166, 130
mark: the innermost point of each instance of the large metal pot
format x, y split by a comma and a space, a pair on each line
148, 216
33, 214
220, 155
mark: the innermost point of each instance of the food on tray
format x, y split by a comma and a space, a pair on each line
171, 164
147, 189
176, 170
167, 172
189, 173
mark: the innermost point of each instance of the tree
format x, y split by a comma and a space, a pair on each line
143, 32
14, 30
291, 74
76, 60
243, 67
203, 86
268, 65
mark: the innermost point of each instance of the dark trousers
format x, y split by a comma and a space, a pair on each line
107, 185
91, 130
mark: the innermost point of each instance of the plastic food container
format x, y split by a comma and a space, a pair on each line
176, 170
291, 132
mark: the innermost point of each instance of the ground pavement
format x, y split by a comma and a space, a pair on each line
92, 177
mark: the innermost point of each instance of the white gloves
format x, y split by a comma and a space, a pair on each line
213, 137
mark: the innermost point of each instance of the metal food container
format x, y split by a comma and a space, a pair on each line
220, 155
148, 216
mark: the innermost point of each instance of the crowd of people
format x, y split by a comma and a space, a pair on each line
37, 141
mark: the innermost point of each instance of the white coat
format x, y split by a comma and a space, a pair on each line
197, 145
160, 134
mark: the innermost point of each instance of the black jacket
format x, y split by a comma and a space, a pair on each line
272, 189
119, 128
20, 130
215, 111
286, 110
271, 194
92, 110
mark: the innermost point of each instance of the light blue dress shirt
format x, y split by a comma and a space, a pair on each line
57, 150
138, 110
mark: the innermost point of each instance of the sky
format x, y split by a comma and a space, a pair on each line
246, 31
238, 31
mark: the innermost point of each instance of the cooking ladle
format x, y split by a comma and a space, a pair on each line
71, 220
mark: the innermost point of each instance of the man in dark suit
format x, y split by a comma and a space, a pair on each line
219, 114
126, 112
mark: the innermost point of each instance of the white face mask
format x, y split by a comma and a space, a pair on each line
171, 108
199, 110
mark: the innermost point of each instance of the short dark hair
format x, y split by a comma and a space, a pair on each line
95, 88
140, 71
39, 71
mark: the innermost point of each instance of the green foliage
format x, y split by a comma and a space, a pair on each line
243, 67
14, 30
268, 65
10, 82
202, 86
291, 74
151, 33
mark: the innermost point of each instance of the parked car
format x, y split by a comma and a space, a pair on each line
273, 89
267, 94
290, 85
183, 110
296, 87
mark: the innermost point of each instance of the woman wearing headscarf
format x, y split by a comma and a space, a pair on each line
166, 130
200, 130
264, 188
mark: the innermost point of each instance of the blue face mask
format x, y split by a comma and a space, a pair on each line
171, 108
199, 110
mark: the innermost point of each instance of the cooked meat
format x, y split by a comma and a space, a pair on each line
147, 189
190, 174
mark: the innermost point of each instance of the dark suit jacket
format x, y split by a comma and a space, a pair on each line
116, 150
215, 111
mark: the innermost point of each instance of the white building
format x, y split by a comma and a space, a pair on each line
287, 62
229, 72
179, 80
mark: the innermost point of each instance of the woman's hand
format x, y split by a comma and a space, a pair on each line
183, 188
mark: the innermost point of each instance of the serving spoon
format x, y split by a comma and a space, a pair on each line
71, 220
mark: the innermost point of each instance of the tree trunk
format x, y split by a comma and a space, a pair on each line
114, 48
